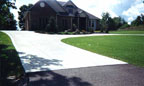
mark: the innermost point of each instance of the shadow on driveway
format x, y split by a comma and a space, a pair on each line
33, 62
46, 77
50, 78
112, 75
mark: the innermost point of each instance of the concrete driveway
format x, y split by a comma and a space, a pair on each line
41, 52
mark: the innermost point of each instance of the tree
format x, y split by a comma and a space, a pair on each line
138, 21
106, 22
119, 22
7, 21
21, 13
111, 24
124, 26
142, 18
11, 24
103, 21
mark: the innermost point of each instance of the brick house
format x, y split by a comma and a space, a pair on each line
66, 15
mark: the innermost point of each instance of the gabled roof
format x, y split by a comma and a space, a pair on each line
91, 16
62, 3
88, 14
79, 11
59, 7
70, 3
55, 5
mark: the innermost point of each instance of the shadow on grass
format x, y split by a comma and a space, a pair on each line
10, 66
50, 78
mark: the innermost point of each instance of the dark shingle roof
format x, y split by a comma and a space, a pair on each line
62, 3
91, 16
58, 6
80, 11
55, 5
88, 14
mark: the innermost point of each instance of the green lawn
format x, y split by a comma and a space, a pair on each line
10, 64
126, 48
127, 32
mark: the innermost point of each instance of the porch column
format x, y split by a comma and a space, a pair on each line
30, 20
78, 22
91, 23
56, 19
71, 22
86, 24
95, 24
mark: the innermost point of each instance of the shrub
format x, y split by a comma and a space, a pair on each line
77, 31
90, 30
124, 26
74, 27
69, 30
84, 32
51, 26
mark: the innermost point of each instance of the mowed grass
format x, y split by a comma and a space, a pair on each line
10, 64
126, 32
126, 48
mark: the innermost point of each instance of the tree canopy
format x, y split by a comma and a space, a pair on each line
108, 23
138, 21
104, 21
21, 13
7, 21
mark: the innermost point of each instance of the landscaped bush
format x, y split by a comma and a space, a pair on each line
84, 32
77, 31
69, 33
90, 30
51, 26
69, 30
74, 27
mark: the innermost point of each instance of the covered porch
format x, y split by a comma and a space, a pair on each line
83, 23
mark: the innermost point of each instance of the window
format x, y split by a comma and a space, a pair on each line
70, 8
70, 11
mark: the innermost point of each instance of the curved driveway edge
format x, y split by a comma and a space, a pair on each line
41, 52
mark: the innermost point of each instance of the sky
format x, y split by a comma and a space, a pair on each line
127, 9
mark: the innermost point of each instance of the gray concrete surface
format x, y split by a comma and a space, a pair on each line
41, 52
